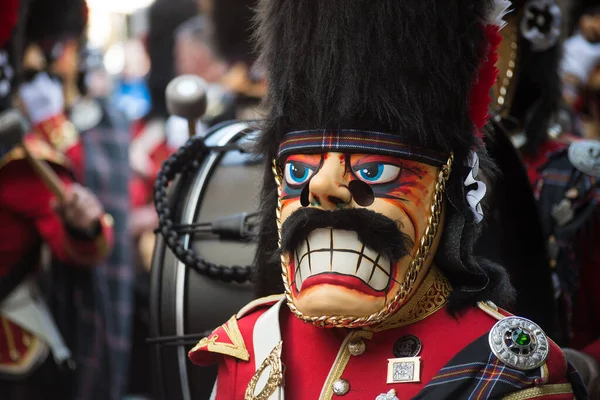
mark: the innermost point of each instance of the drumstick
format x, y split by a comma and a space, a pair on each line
47, 174
186, 98
12, 133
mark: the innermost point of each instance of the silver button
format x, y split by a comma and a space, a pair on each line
357, 347
341, 387
491, 305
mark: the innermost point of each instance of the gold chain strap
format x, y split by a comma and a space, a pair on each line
411, 276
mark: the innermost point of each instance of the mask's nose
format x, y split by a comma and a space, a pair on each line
328, 188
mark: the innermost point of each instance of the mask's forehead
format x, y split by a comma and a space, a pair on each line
354, 141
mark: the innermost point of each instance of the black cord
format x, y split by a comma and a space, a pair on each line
186, 159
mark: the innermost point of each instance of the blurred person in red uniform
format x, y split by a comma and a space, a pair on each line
370, 206
35, 361
150, 147
150, 144
96, 306
563, 171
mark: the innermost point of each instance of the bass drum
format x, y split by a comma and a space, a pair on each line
183, 302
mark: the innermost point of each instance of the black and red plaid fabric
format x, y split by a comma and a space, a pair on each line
476, 373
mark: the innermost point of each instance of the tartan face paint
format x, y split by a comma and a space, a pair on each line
339, 260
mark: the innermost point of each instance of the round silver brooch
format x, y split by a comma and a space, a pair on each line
519, 343
585, 156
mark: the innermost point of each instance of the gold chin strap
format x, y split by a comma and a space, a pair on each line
503, 90
406, 287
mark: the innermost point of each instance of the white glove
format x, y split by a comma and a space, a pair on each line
579, 57
43, 98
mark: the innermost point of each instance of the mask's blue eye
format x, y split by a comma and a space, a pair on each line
375, 173
297, 173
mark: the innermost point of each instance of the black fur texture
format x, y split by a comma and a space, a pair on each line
376, 231
537, 95
230, 30
164, 18
56, 20
401, 67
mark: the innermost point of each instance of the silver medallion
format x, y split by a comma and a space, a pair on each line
585, 156
519, 343
541, 24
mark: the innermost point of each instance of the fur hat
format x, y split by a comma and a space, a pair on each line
230, 26
164, 18
420, 70
51, 21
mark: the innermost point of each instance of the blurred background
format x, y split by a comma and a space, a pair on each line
113, 71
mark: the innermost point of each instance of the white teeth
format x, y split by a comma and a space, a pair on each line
348, 253
370, 253
319, 262
341, 239
345, 263
380, 280
365, 269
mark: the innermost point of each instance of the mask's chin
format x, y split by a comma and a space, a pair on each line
336, 275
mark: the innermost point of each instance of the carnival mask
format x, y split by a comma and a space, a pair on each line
352, 223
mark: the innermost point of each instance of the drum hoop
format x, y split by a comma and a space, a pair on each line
189, 213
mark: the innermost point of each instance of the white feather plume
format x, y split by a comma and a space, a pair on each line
497, 13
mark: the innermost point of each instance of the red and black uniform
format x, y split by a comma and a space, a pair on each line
28, 221
455, 355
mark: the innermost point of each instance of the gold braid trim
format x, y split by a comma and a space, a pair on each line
412, 273
39, 149
237, 347
431, 296
272, 365
540, 391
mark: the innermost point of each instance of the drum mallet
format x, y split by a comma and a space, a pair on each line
186, 98
12, 133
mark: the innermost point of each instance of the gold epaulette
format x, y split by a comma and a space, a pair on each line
39, 149
227, 340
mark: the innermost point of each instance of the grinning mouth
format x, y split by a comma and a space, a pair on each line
339, 252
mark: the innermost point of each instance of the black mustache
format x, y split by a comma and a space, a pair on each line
376, 231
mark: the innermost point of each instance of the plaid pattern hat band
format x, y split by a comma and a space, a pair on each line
355, 141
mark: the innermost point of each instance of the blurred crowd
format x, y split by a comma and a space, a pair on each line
105, 136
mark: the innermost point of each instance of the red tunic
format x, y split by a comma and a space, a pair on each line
157, 151
315, 358
26, 220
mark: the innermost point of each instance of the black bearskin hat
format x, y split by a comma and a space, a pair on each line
230, 26
164, 18
528, 90
417, 69
51, 21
